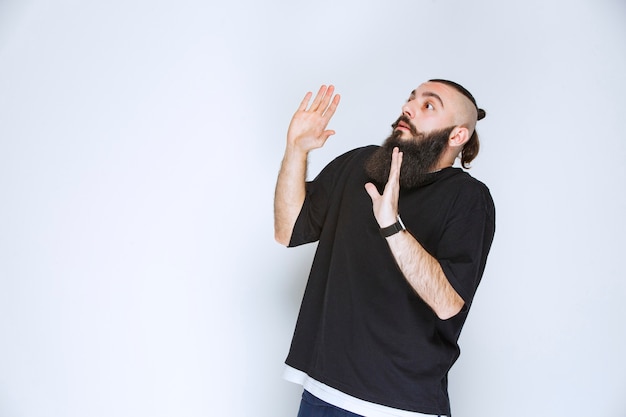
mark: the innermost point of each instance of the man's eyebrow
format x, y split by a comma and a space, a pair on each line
431, 94
427, 94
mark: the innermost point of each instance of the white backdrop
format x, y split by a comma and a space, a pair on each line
139, 144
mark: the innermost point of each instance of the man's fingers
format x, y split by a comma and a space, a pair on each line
322, 101
311, 123
333, 106
394, 170
385, 206
326, 98
372, 191
305, 101
318, 98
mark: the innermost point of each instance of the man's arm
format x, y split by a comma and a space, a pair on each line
421, 270
425, 275
307, 131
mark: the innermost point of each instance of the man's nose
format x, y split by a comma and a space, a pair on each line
407, 110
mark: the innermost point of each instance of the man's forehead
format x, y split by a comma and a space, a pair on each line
445, 93
430, 88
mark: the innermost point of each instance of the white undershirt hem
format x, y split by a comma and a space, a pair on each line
344, 401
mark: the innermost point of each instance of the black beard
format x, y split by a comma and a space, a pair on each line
420, 155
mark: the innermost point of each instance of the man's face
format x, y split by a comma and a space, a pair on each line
430, 107
422, 133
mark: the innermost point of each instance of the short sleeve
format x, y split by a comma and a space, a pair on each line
466, 241
318, 198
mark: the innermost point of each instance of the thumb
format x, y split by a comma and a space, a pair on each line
326, 134
372, 191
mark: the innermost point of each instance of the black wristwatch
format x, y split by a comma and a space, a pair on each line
393, 229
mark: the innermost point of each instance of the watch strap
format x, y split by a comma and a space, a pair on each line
398, 226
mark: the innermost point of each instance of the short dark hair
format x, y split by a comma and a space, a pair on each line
471, 148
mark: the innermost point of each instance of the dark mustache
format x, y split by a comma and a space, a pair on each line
406, 121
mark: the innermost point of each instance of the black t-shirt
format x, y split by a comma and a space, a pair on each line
362, 329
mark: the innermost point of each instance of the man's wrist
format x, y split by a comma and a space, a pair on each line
388, 231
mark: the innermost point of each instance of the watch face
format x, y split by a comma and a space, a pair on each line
400, 222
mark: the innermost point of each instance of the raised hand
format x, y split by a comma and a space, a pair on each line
385, 206
307, 129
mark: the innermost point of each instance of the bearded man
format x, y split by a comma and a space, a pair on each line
403, 242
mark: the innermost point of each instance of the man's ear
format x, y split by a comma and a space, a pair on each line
459, 136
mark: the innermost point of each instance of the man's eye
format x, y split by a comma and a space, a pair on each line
429, 106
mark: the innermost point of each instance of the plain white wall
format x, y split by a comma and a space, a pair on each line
139, 143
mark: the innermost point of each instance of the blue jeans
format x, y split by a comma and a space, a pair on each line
311, 406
